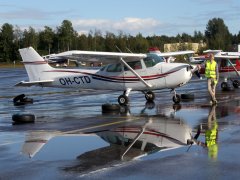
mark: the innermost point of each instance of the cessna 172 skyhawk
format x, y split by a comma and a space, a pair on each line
125, 72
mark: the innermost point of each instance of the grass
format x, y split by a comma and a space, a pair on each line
11, 65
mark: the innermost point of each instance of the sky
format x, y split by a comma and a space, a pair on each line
148, 17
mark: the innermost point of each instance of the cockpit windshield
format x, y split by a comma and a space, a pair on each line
152, 59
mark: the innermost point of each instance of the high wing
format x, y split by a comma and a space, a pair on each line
167, 54
226, 57
106, 57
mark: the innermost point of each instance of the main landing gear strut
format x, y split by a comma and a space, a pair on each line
176, 97
123, 99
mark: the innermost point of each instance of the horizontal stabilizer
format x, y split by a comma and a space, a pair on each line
34, 83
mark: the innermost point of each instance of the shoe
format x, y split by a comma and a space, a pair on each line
211, 102
215, 102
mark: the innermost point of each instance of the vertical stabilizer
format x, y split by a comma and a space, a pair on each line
35, 65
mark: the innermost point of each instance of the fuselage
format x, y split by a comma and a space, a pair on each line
117, 77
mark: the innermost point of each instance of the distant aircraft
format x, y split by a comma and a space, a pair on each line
229, 67
125, 72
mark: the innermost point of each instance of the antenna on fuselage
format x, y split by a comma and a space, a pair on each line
118, 48
129, 50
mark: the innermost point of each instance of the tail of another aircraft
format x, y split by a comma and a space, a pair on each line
35, 65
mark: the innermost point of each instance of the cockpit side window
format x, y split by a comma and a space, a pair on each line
114, 67
152, 59
102, 69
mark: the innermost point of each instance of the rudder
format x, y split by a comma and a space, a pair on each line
34, 64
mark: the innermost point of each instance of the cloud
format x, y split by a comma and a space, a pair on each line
136, 24
128, 25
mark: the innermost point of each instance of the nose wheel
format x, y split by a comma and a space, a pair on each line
176, 98
236, 83
123, 100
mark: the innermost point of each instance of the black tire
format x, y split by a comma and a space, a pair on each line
123, 100
23, 118
110, 107
224, 85
18, 98
176, 99
236, 83
150, 96
187, 96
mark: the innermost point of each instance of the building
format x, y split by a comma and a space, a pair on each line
184, 46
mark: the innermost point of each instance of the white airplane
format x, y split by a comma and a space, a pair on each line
125, 72
228, 65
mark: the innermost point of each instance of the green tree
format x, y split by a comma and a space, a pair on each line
6, 43
18, 36
99, 41
121, 42
186, 38
46, 39
198, 36
65, 35
217, 35
30, 38
83, 42
110, 42
139, 44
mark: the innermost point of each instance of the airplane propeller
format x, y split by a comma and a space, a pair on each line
194, 70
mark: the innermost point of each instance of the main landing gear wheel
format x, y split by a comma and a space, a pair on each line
236, 83
150, 96
176, 99
123, 100
226, 87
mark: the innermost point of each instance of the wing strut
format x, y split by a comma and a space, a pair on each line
136, 74
234, 68
134, 140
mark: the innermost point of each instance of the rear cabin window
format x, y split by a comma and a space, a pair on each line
226, 63
134, 65
114, 67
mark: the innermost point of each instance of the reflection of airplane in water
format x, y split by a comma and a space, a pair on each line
126, 142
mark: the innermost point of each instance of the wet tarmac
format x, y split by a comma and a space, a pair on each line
72, 139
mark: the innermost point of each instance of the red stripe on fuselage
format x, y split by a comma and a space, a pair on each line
128, 78
35, 62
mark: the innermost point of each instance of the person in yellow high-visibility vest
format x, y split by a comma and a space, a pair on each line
212, 75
